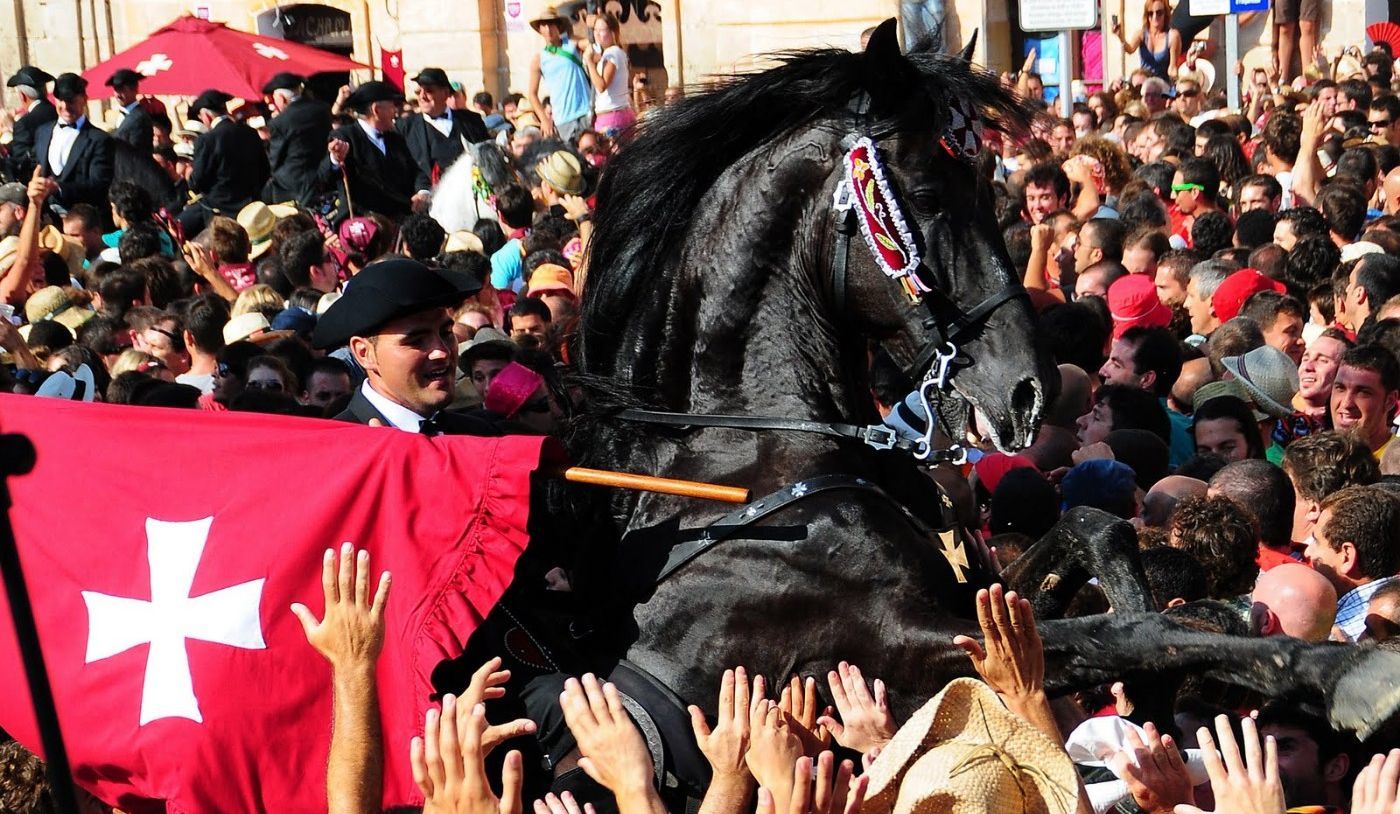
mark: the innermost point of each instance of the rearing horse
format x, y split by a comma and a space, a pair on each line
726, 279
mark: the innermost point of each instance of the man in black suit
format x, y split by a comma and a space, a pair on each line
230, 164
299, 131
76, 155
32, 86
396, 319
137, 127
437, 135
370, 157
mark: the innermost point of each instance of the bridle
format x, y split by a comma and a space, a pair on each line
866, 203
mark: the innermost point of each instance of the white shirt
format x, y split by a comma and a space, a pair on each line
443, 125
61, 144
618, 95
374, 135
396, 414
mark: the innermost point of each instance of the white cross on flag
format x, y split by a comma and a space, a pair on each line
162, 549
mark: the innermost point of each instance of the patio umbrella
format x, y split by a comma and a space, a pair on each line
192, 55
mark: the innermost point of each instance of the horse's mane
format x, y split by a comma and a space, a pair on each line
650, 191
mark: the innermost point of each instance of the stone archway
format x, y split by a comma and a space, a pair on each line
356, 43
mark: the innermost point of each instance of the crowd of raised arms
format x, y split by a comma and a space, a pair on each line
1219, 287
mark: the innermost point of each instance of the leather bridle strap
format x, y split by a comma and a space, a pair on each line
877, 436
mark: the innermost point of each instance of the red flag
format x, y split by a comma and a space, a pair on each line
391, 65
162, 549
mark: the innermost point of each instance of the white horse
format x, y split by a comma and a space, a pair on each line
466, 192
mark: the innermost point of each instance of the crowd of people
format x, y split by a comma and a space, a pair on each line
1219, 288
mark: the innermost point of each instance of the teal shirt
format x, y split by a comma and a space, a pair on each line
1183, 446
570, 92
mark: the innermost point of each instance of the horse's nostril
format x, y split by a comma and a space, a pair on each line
1026, 403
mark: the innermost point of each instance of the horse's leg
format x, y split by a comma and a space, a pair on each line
1085, 543
1361, 687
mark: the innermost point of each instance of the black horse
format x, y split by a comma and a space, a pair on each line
723, 280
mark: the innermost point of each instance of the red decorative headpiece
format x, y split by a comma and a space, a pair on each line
881, 219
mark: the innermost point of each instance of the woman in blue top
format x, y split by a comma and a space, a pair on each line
1157, 45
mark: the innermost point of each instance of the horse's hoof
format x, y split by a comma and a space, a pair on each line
1368, 693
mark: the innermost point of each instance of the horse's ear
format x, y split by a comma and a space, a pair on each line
882, 53
966, 54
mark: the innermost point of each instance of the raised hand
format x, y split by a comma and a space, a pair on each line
1375, 790
449, 766
834, 792
614, 753
338, 149
352, 632
1011, 659
725, 745
866, 723
773, 751
486, 685
1154, 771
798, 700
1248, 785
561, 804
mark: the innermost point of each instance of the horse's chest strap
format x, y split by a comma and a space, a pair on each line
734, 522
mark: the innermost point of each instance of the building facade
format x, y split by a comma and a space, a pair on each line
487, 44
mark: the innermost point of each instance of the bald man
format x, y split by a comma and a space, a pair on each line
1073, 400
1391, 187
1294, 600
1161, 499
1383, 614
1194, 373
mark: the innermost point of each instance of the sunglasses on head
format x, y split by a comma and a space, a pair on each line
177, 342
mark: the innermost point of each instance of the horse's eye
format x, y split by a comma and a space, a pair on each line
926, 200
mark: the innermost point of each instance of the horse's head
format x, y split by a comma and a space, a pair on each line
919, 258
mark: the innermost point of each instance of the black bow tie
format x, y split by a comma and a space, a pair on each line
62, 126
430, 427
446, 117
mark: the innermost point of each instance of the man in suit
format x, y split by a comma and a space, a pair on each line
370, 157
298, 134
31, 85
76, 155
230, 164
396, 319
137, 127
438, 134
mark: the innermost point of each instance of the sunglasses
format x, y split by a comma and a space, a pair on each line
1188, 94
274, 386
1157, 12
1378, 125
177, 342
1187, 188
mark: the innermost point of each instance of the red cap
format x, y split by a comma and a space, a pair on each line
1132, 300
1229, 298
992, 468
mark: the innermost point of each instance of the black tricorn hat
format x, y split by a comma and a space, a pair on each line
435, 77
31, 76
215, 100
68, 85
385, 291
284, 81
123, 77
367, 93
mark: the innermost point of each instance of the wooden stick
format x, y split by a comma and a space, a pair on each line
345, 181
666, 486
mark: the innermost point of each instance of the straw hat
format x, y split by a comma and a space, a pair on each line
550, 14
52, 240
258, 220
52, 302
464, 241
252, 327
562, 171
964, 752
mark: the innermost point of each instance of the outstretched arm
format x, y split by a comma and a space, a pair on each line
350, 637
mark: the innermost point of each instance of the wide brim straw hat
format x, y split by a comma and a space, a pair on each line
964, 752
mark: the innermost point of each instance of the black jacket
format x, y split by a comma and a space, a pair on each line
136, 129
431, 149
230, 166
295, 149
379, 182
360, 411
21, 162
87, 174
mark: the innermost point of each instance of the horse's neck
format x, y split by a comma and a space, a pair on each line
757, 333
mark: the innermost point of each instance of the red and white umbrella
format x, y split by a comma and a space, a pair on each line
192, 55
